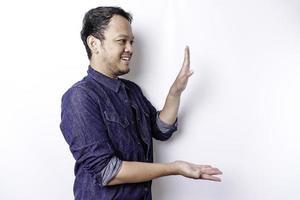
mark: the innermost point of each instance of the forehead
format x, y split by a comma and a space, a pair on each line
118, 26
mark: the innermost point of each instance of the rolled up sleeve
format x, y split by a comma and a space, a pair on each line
162, 126
160, 130
111, 170
84, 130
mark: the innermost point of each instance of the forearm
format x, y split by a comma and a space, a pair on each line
135, 172
169, 112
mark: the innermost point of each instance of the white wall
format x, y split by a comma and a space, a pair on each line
240, 112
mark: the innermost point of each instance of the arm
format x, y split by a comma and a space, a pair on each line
85, 131
134, 172
170, 110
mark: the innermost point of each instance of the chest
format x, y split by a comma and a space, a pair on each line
129, 127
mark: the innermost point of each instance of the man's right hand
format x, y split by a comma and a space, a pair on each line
190, 170
135, 172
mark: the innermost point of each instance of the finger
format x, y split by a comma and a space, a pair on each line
186, 61
190, 73
211, 171
204, 166
187, 53
211, 178
187, 56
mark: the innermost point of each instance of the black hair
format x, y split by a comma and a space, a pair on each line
95, 23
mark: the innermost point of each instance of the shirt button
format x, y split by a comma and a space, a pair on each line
146, 189
126, 101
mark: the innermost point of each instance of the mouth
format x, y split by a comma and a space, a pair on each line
126, 58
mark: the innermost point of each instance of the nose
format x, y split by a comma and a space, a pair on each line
129, 47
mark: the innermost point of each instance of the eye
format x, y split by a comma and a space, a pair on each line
131, 42
122, 41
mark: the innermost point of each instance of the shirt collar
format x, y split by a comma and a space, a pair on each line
113, 84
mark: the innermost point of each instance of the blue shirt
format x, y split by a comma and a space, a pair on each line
106, 121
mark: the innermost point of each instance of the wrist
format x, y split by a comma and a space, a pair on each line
174, 92
174, 168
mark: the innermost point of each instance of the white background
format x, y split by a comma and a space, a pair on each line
240, 111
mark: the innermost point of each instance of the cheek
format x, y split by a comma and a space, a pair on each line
115, 52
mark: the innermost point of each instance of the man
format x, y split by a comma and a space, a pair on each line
109, 123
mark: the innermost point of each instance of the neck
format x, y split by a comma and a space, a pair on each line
101, 68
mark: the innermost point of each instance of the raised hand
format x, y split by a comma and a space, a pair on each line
181, 80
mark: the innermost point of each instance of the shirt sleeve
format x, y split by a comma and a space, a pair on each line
111, 170
160, 130
84, 130
162, 126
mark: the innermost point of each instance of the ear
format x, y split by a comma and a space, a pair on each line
93, 44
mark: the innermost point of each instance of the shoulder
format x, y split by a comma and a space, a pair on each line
81, 91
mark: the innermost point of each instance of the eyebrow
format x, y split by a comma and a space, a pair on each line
126, 36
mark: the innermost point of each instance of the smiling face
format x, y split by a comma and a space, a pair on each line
113, 54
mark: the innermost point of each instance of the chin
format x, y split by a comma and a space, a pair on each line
123, 72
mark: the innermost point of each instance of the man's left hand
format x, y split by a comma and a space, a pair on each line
182, 78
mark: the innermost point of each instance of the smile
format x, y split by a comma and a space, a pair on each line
126, 58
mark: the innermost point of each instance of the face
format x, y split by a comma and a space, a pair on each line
116, 50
